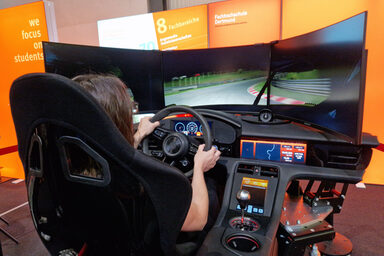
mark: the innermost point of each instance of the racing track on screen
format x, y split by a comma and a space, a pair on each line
229, 93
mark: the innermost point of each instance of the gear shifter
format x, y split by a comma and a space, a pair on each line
243, 197
244, 223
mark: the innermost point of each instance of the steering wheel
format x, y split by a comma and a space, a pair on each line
178, 146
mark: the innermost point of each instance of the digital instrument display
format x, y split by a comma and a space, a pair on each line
189, 128
258, 190
285, 152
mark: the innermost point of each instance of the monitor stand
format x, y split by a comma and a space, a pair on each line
339, 246
306, 220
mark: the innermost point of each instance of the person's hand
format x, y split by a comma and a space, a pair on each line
145, 128
206, 160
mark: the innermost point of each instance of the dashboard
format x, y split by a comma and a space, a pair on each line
269, 150
242, 137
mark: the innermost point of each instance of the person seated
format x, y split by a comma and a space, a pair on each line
111, 93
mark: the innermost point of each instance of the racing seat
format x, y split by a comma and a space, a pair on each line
88, 189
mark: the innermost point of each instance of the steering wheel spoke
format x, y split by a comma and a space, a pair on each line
168, 160
193, 146
161, 133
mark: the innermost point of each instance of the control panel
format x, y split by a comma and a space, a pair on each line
278, 151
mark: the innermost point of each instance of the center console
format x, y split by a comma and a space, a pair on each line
265, 167
247, 220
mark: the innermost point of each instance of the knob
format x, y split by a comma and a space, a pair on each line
243, 197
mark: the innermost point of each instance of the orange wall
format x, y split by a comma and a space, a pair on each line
22, 29
255, 22
303, 16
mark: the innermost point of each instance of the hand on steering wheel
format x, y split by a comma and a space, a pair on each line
145, 128
177, 146
206, 160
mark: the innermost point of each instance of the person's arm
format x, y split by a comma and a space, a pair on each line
145, 128
198, 211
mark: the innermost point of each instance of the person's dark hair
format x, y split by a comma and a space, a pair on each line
112, 95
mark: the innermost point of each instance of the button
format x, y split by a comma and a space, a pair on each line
184, 162
159, 133
249, 210
261, 210
157, 154
238, 207
255, 210
193, 149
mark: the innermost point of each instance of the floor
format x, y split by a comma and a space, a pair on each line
14, 209
361, 220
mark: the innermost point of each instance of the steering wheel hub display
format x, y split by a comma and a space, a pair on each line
175, 145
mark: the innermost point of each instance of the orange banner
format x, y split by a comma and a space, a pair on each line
22, 29
182, 28
243, 22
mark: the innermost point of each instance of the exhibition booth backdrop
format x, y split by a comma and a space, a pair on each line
22, 30
220, 24
227, 23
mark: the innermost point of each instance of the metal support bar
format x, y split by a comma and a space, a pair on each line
9, 235
6, 222
6, 233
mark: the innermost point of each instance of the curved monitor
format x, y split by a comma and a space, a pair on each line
316, 78
324, 71
139, 69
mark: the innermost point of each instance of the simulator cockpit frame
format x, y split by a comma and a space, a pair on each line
286, 116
